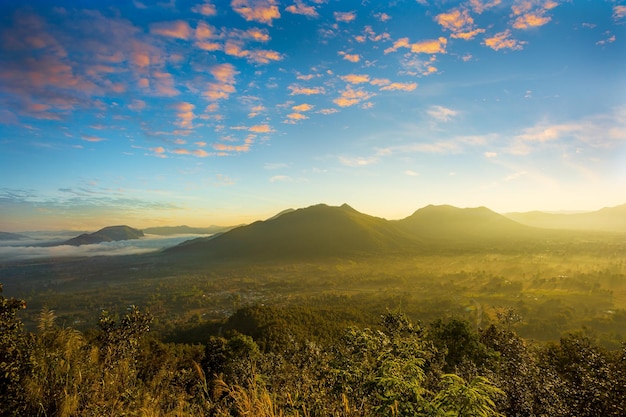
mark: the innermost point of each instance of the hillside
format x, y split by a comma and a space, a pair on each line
11, 236
610, 219
185, 230
108, 234
460, 225
316, 231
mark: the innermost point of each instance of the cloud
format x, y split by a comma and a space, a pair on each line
89, 138
345, 17
460, 23
137, 105
300, 8
124, 247
443, 114
357, 161
281, 178
530, 20
200, 153
302, 107
502, 40
185, 115
262, 11
264, 128
225, 85
297, 116
490, 154
350, 97
480, 6
178, 29
619, 12
296, 89
429, 46
222, 147
383, 17
399, 86
356, 78
350, 57
206, 9
531, 13
411, 173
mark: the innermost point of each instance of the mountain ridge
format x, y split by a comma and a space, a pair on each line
106, 234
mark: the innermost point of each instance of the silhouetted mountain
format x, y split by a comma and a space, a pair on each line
448, 223
11, 236
108, 234
186, 230
611, 219
316, 231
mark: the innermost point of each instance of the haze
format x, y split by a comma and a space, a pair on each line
187, 112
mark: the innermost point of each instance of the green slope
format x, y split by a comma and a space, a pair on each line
313, 232
107, 234
610, 219
461, 226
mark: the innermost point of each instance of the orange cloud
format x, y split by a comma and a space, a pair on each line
400, 43
200, 153
181, 151
296, 89
345, 17
302, 107
502, 41
468, 35
530, 20
206, 9
350, 97
297, 116
480, 6
205, 31
137, 105
356, 78
350, 57
262, 11
178, 29
619, 12
224, 73
159, 151
89, 138
301, 8
380, 81
460, 23
261, 129
185, 115
432, 46
400, 86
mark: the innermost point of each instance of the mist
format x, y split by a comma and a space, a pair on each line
35, 249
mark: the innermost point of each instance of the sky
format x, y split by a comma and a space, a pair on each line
151, 113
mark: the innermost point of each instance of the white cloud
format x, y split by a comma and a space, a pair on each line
442, 114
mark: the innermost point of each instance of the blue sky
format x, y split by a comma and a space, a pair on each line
223, 112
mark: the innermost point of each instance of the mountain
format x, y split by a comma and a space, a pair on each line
185, 230
448, 222
612, 219
312, 232
108, 234
11, 236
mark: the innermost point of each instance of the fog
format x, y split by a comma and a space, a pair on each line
34, 249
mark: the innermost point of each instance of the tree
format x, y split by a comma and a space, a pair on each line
12, 354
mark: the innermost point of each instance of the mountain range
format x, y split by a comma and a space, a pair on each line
107, 234
327, 231
610, 219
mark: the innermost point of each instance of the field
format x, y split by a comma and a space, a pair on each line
555, 288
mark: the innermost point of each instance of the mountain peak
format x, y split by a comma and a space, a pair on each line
106, 234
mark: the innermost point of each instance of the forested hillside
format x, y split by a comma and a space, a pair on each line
264, 362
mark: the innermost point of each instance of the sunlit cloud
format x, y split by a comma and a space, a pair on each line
300, 8
262, 11
261, 129
399, 87
137, 105
90, 138
411, 173
350, 97
350, 57
357, 161
383, 17
297, 116
490, 154
296, 89
302, 107
225, 75
345, 17
530, 20
178, 29
480, 6
281, 178
443, 114
206, 9
429, 46
245, 147
200, 153
619, 12
503, 40
356, 78
460, 23
185, 115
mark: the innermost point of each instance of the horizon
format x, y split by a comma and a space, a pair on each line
201, 113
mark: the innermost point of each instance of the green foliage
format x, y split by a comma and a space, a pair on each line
459, 398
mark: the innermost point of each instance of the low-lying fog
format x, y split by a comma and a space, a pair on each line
15, 250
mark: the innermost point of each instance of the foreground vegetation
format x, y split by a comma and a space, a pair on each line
392, 367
